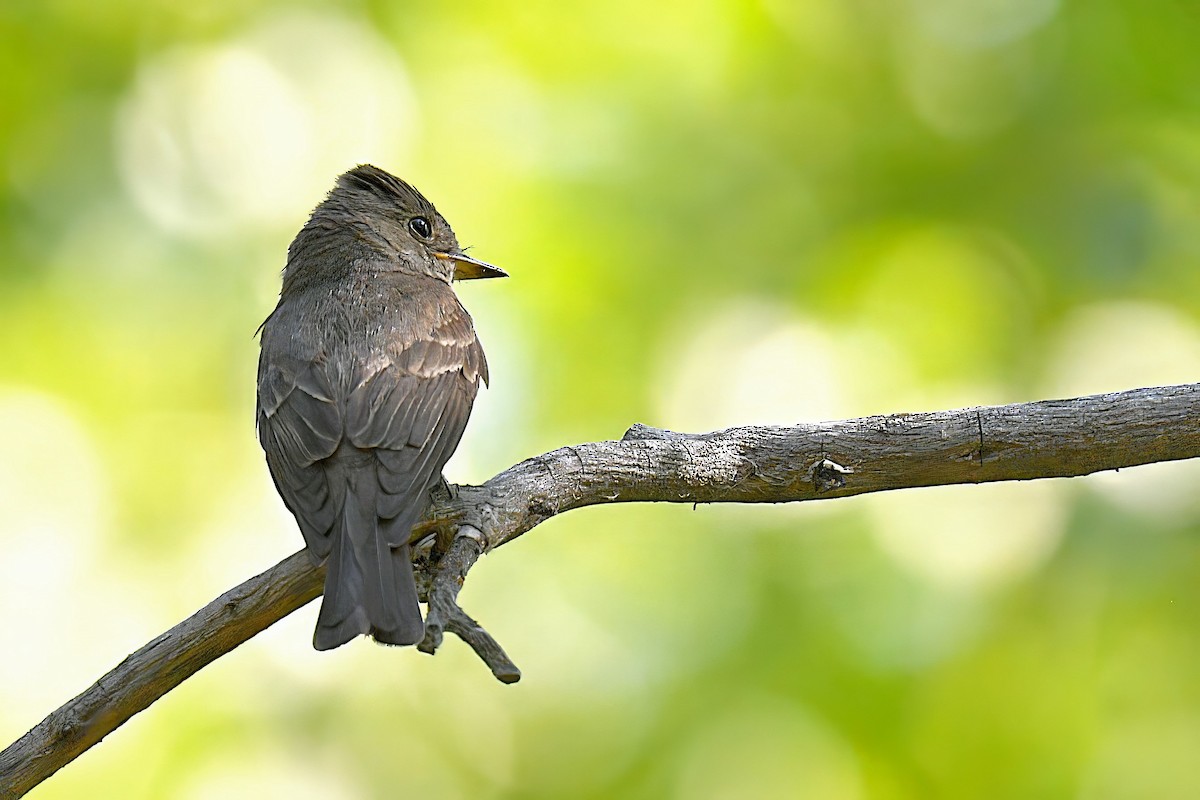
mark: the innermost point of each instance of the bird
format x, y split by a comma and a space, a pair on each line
368, 369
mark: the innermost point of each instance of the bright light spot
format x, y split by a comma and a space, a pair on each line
1149, 757
967, 67
767, 749
826, 29
900, 624
581, 651
1165, 491
948, 297
241, 774
519, 124
964, 537
966, 94
1117, 346
754, 363
252, 131
748, 364
247, 128
58, 613
250, 521
981, 23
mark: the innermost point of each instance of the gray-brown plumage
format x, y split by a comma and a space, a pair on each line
368, 370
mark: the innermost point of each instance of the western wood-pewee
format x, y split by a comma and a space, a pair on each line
368, 371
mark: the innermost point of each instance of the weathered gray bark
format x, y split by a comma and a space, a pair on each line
743, 465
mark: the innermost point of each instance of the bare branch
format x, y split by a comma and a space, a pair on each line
445, 613
1058, 438
156, 669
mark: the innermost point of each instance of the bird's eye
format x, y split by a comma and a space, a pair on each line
420, 227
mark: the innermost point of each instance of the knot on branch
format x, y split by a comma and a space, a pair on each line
645, 433
827, 475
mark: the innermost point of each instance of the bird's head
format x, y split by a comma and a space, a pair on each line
392, 218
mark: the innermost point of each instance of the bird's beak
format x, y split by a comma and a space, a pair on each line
469, 269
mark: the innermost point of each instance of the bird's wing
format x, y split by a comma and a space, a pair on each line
411, 413
299, 425
408, 405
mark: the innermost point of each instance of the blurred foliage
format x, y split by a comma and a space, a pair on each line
714, 214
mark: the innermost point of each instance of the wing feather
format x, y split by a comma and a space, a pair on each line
408, 407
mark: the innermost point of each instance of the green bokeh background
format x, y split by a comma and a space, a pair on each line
714, 214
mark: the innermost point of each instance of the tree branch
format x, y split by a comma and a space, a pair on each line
1057, 438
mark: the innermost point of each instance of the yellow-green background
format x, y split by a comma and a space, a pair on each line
714, 213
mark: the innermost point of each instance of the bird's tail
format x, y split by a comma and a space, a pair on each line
369, 586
